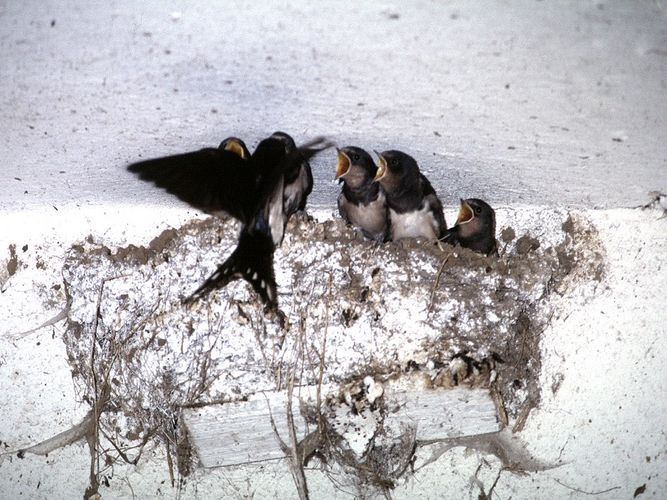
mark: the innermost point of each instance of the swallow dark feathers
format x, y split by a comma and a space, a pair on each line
210, 179
251, 260
475, 227
284, 168
298, 176
413, 206
431, 199
276, 160
361, 202
251, 188
271, 161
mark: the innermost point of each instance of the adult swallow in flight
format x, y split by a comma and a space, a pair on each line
414, 208
281, 166
361, 202
252, 190
475, 227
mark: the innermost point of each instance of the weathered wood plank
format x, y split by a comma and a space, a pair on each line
237, 433
444, 413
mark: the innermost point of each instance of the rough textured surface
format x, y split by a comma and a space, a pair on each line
243, 432
500, 101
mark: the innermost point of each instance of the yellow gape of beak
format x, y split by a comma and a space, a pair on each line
466, 213
342, 164
382, 167
235, 147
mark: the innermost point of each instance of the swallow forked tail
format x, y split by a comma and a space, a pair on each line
251, 260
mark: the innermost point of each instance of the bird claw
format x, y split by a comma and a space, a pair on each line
281, 317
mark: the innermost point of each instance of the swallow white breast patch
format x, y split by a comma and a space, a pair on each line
370, 217
415, 224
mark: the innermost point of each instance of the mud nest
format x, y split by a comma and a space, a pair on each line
355, 309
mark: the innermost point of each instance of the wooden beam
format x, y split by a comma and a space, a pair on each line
238, 433
443, 413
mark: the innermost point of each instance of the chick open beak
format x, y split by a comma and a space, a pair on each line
382, 167
236, 148
466, 213
342, 164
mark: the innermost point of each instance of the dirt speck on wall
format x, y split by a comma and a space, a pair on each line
354, 309
13, 262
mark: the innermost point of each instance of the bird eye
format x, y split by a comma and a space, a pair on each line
355, 157
394, 162
478, 210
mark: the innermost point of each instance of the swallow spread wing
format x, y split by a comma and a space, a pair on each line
276, 160
211, 179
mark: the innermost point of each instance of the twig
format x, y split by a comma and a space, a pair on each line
499, 404
65, 438
587, 492
52, 321
100, 396
521, 420
129, 485
474, 480
170, 462
93, 437
300, 349
437, 281
294, 453
291, 454
493, 486
141, 446
563, 448
296, 461
320, 380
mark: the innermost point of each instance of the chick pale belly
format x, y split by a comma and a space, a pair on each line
414, 224
369, 217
